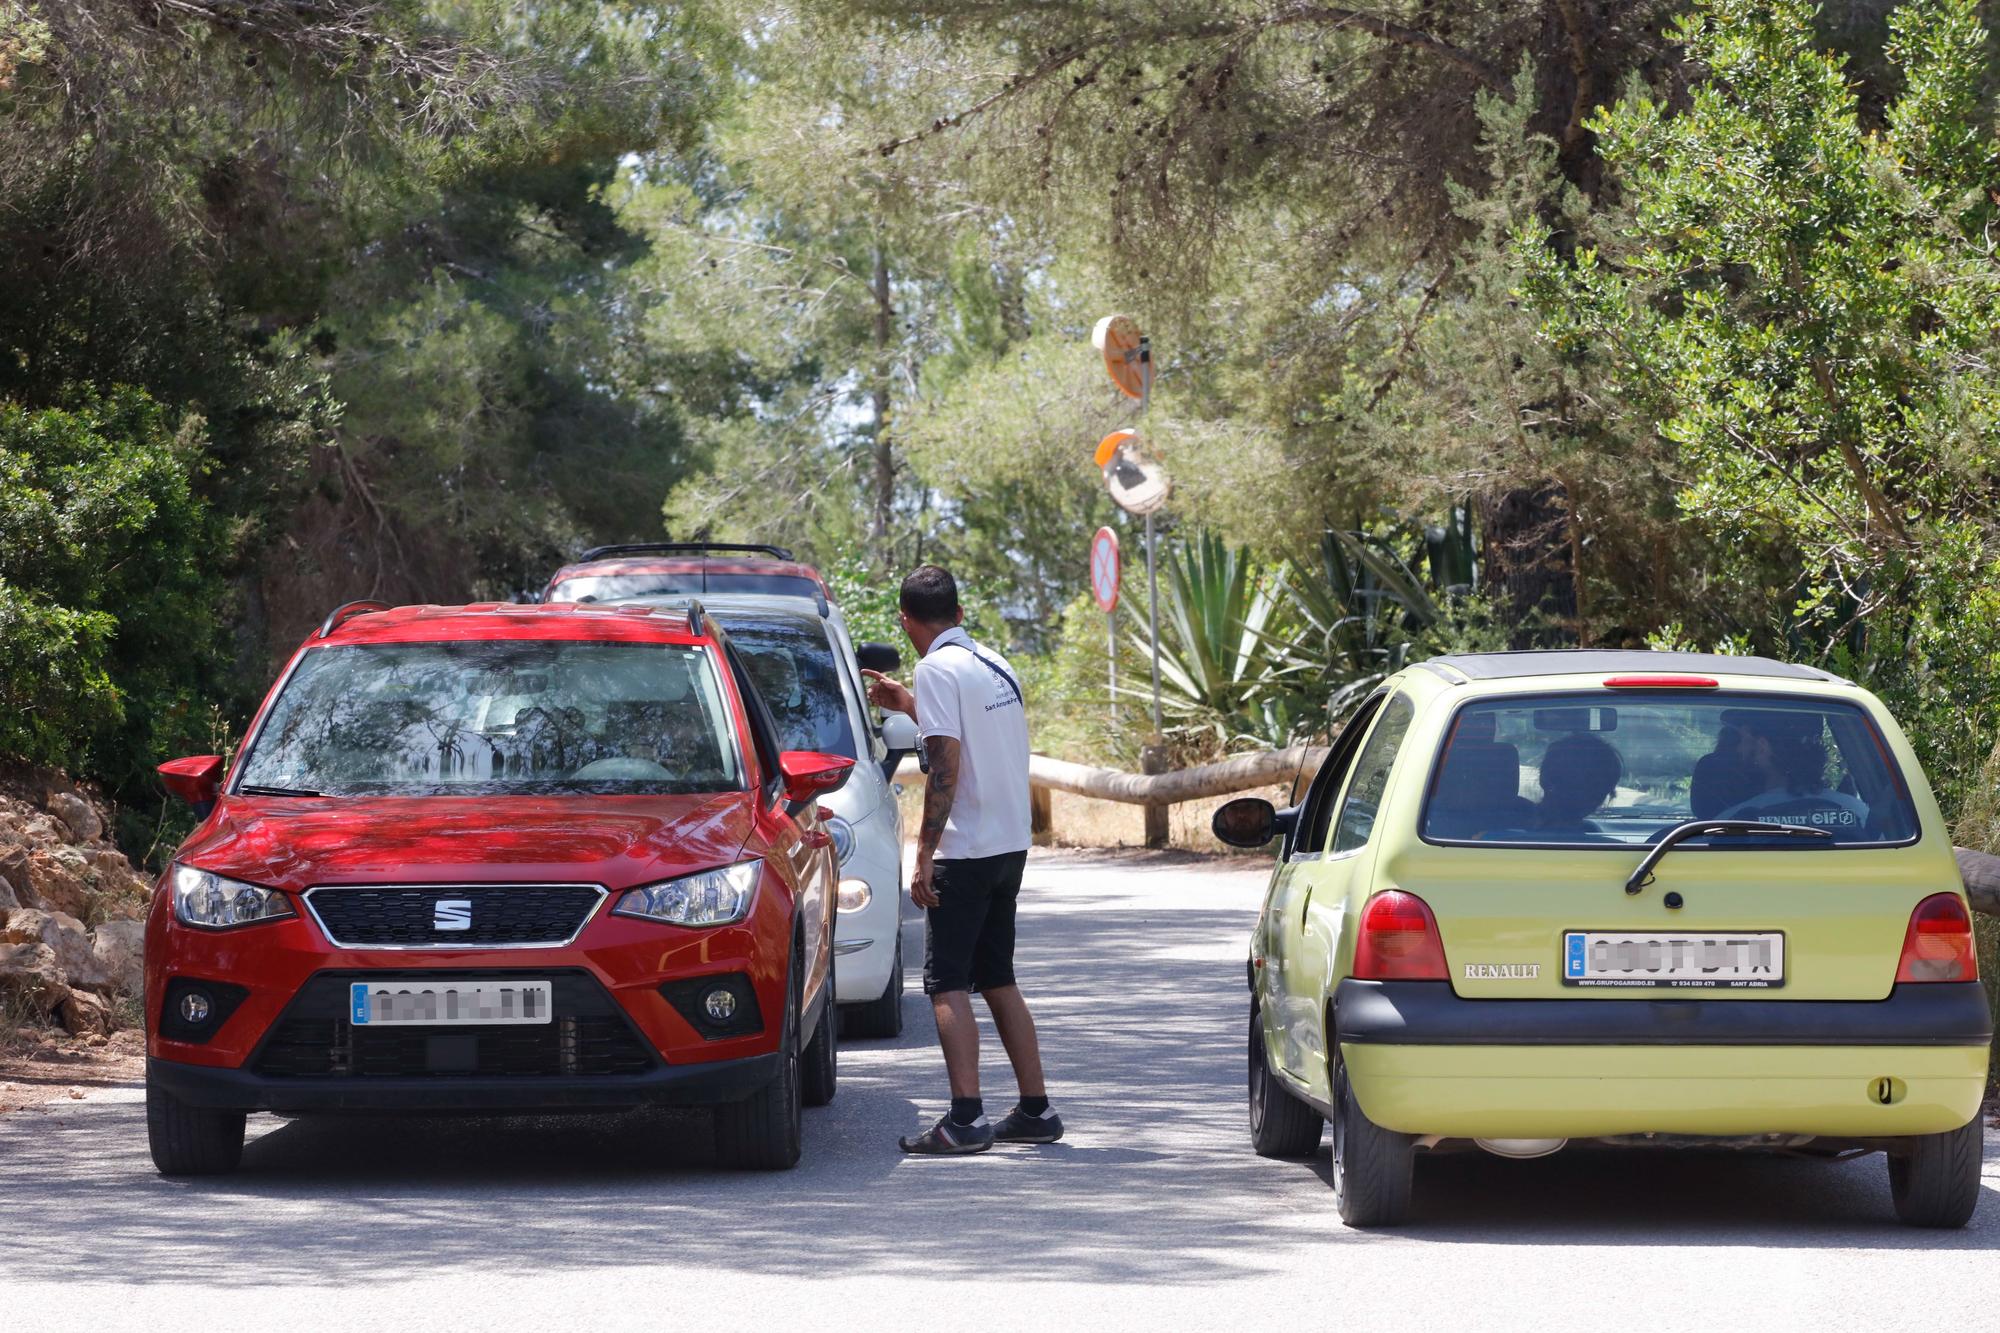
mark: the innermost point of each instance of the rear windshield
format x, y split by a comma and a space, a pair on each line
498, 718
694, 582
1583, 770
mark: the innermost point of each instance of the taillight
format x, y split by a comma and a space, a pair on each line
1398, 940
1938, 944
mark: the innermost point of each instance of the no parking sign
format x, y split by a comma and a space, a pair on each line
1104, 569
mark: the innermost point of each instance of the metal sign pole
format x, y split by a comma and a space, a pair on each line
1111, 620
1153, 622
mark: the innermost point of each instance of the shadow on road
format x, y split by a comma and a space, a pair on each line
1140, 1000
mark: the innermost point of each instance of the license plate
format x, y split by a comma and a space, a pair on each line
447, 1004
1745, 960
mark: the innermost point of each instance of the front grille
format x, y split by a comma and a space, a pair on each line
589, 1035
490, 915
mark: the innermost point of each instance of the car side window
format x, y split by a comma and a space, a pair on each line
763, 728
1371, 776
1316, 811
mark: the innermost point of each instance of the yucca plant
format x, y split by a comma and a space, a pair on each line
1362, 607
1225, 675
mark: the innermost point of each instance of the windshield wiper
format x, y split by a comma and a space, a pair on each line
1732, 828
250, 789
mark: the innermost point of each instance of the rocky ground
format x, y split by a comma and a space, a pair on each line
72, 923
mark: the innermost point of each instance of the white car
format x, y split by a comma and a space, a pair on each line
798, 651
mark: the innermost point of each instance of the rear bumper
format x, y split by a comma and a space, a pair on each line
1422, 1061
1427, 1013
671, 1085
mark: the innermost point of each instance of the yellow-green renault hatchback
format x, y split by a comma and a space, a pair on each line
1628, 897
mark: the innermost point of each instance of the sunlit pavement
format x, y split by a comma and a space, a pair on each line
1153, 1213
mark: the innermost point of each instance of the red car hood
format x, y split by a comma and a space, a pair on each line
616, 841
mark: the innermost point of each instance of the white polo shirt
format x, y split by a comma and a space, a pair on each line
962, 693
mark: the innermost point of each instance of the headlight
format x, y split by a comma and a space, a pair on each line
853, 895
215, 903
711, 898
842, 834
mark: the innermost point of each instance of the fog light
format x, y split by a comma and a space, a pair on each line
852, 895
720, 1005
195, 1008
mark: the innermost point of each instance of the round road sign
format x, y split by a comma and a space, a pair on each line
1104, 569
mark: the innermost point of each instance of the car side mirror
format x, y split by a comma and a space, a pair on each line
899, 733
1252, 821
880, 657
196, 780
809, 775
899, 737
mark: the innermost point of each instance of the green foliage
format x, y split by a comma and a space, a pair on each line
1809, 307
109, 599
1223, 674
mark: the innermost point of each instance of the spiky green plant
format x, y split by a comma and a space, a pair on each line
1225, 676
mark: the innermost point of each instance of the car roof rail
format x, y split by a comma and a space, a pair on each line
697, 617
346, 610
684, 548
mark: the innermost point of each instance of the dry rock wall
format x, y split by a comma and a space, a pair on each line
72, 911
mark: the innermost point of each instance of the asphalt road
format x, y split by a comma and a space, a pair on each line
1152, 1213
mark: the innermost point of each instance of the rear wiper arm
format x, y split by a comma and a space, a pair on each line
249, 789
1733, 828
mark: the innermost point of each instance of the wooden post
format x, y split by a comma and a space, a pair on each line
1152, 760
1041, 819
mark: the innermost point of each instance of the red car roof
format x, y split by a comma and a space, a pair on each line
507, 620
688, 564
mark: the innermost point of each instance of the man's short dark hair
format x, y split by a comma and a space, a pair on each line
930, 595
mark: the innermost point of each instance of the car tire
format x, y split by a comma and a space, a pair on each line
1934, 1182
1280, 1124
191, 1140
763, 1131
819, 1074
1373, 1168
883, 1015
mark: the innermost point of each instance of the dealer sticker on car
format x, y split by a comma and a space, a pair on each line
1749, 960
450, 1003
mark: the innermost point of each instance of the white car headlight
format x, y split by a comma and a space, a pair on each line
711, 898
842, 834
853, 895
214, 903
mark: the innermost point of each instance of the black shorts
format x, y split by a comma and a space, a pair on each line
970, 943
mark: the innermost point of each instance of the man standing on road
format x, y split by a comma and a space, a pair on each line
971, 850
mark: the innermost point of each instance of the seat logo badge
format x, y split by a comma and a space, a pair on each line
451, 914
1502, 971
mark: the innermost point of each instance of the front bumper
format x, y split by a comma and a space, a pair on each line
1422, 1061
629, 958
865, 941
669, 1085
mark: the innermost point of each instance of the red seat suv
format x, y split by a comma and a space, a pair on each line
497, 858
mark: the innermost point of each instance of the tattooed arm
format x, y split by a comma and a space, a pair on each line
939, 789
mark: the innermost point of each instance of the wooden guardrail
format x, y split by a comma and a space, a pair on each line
1979, 870
1243, 772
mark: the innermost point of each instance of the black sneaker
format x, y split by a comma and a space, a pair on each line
945, 1139
1020, 1127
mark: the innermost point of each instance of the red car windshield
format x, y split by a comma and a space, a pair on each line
497, 718
1579, 770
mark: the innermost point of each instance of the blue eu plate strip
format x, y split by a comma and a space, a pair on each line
1572, 956
359, 994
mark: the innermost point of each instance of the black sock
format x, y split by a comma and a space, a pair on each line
1034, 1105
965, 1110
